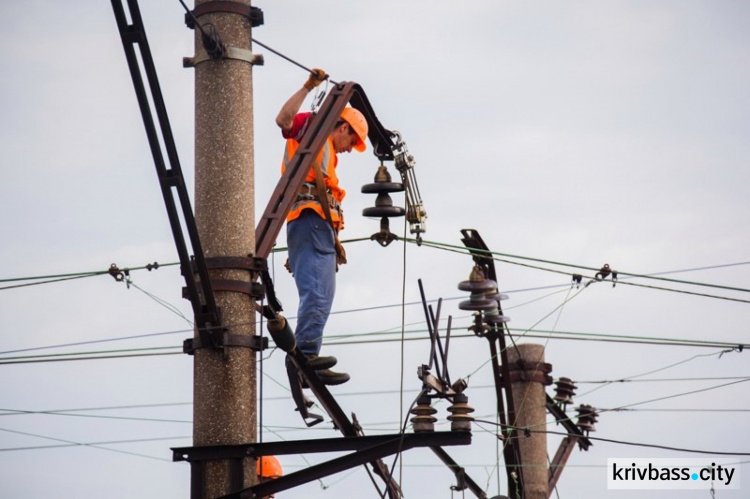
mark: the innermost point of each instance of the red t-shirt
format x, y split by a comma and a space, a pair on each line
299, 127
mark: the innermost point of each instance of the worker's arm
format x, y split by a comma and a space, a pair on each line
290, 109
292, 106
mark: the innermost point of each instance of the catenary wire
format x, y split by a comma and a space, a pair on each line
464, 250
93, 446
335, 312
637, 444
150, 266
667, 397
46, 279
371, 393
461, 250
308, 70
109, 442
530, 333
621, 274
684, 361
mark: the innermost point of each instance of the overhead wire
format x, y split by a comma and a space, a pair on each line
567, 299
620, 280
334, 312
303, 67
626, 406
161, 302
91, 342
98, 357
89, 444
47, 279
150, 266
93, 416
333, 341
621, 274
307, 69
667, 397
93, 446
114, 339
59, 356
371, 393
637, 444
403, 357
626, 378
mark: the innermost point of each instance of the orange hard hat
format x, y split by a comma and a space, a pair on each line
358, 123
269, 467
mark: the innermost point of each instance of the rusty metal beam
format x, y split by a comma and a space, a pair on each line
567, 423
367, 450
340, 419
561, 458
501, 370
463, 480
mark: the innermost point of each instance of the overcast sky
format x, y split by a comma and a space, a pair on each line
579, 133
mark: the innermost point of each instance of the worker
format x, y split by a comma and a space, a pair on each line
268, 468
312, 227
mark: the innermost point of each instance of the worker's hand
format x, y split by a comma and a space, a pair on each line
340, 252
317, 76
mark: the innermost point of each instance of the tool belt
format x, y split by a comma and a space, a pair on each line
309, 192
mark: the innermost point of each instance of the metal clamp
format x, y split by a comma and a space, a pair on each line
236, 53
530, 371
256, 343
254, 14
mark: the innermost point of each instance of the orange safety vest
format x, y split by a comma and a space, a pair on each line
327, 160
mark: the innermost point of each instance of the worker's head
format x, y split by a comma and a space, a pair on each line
268, 468
350, 131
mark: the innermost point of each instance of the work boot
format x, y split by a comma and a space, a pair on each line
328, 377
320, 363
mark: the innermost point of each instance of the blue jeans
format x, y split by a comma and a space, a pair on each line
312, 258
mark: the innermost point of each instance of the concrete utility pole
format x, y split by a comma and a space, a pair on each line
224, 390
529, 375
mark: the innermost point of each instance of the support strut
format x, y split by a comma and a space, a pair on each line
172, 182
500, 367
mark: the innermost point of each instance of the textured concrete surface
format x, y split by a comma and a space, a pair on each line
224, 389
531, 412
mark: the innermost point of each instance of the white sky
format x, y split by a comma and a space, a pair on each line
577, 132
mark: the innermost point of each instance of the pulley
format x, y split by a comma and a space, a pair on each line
383, 204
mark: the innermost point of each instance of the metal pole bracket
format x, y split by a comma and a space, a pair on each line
254, 14
236, 53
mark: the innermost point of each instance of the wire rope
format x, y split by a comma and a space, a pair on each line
626, 378
93, 446
463, 249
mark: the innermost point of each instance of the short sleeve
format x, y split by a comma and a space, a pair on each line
299, 127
